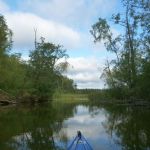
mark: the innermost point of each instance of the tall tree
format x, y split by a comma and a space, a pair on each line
43, 62
5, 37
129, 45
5, 46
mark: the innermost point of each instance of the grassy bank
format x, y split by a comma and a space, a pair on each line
70, 97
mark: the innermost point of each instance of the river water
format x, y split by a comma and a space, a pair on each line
53, 126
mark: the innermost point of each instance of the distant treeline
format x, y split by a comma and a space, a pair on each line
35, 79
127, 75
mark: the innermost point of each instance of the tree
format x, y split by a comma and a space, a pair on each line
43, 62
36, 78
5, 37
5, 46
129, 47
65, 84
14, 75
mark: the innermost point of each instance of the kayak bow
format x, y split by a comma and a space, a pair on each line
79, 143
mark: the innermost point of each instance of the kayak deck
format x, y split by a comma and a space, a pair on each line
79, 143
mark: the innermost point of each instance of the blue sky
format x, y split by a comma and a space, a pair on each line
65, 22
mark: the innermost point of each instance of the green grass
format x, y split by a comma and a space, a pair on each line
70, 98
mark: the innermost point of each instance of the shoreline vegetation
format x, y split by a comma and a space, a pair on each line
79, 96
70, 98
34, 80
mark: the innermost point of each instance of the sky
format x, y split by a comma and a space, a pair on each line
64, 22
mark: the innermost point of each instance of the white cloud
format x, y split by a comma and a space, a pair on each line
86, 72
23, 25
73, 12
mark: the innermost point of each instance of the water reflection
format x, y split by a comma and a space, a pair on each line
32, 128
52, 126
91, 124
131, 126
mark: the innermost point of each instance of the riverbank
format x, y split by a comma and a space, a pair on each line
76, 98
70, 98
6, 99
106, 97
130, 102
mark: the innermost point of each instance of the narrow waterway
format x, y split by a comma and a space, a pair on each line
53, 126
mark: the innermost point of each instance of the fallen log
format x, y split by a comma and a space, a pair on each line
6, 102
6, 99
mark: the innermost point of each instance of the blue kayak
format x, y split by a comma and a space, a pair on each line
79, 143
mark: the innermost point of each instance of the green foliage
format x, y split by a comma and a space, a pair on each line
143, 82
44, 73
131, 48
65, 85
36, 79
11, 71
5, 37
13, 74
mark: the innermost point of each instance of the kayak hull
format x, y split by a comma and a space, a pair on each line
79, 143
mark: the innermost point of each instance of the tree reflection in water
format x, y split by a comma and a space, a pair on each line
38, 128
129, 127
51, 126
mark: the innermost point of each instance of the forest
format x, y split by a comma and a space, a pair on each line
35, 79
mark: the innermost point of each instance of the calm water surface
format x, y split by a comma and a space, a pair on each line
53, 126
